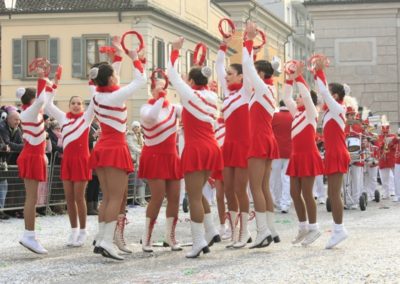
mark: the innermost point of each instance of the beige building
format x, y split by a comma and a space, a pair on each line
72, 34
362, 39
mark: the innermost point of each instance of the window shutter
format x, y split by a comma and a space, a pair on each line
53, 54
17, 59
77, 57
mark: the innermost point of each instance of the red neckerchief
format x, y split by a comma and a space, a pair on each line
71, 115
220, 120
199, 88
269, 81
301, 108
25, 106
107, 89
161, 94
235, 87
325, 106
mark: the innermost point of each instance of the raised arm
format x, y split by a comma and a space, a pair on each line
304, 91
117, 62
220, 68
40, 98
249, 69
288, 97
320, 82
150, 113
53, 110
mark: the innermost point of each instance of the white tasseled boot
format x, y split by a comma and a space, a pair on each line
271, 226
29, 241
212, 235
225, 232
119, 239
170, 240
264, 237
244, 235
106, 244
199, 242
232, 217
98, 238
146, 238
73, 237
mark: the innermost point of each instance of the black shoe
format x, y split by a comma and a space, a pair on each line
4, 216
276, 239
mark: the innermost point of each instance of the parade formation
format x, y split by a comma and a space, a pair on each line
251, 145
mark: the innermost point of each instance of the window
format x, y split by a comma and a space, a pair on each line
26, 49
189, 60
159, 54
85, 53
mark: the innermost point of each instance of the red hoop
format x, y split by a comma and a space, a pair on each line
231, 25
202, 59
153, 78
59, 72
312, 59
291, 66
263, 38
107, 49
42, 63
139, 37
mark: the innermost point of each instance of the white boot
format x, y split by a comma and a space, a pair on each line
233, 219
302, 233
98, 238
106, 243
212, 235
339, 234
170, 240
199, 242
244, 235
264, 237
82, 236
312, 235
73, 237
146, 238
119, 239
29, 241
225, 232
271, 226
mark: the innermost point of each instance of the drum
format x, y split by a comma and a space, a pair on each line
353, 144
355, 157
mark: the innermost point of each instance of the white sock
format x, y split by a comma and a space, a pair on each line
82, 232
29, 234
338, 227
303, 225
313, 227
74, 231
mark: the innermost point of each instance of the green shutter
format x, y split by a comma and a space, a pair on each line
17, 59
77, 57
53, 54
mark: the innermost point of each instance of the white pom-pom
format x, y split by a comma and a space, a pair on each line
276, 65
3, 116
20, 92
93, 73
206, 71
347, 89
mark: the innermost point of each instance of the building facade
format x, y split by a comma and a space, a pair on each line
362, 39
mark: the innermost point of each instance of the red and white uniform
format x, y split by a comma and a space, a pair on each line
356, 130
75, 141
235, 108
262, 107
305, 160
32, 160
159, 158
387, 145
220, 134
201, 151
337, 158
109, 106
397, 171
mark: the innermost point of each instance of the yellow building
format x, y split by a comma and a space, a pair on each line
70, 33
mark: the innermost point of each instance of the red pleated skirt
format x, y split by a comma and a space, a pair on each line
111, 151
32, 162
201, 157
161, 161
235, 154
336, 162
305, 164
75, 164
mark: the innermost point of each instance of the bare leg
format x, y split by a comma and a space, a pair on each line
116, 180
256, 174
295, 193
229, 188
173, 192
79, 196
335, 182
194, 187
241, 178
307, 184
101, 174
71, 205
31, 188
265, 186
157, 189
219, 186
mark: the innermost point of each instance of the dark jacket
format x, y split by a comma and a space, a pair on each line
12, 138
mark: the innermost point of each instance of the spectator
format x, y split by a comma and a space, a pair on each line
55, 137
12, 136
135, 143
3, 180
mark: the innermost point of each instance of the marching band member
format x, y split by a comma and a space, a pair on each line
280, 181
263, 147
110, 156
397, 170
32, 164
319, 187
75, 170
371, 169
387, 146
236, 114
356, 171
201, 154
337, 157
305, 161
159, 162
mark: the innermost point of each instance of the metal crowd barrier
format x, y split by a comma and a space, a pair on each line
50, 192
